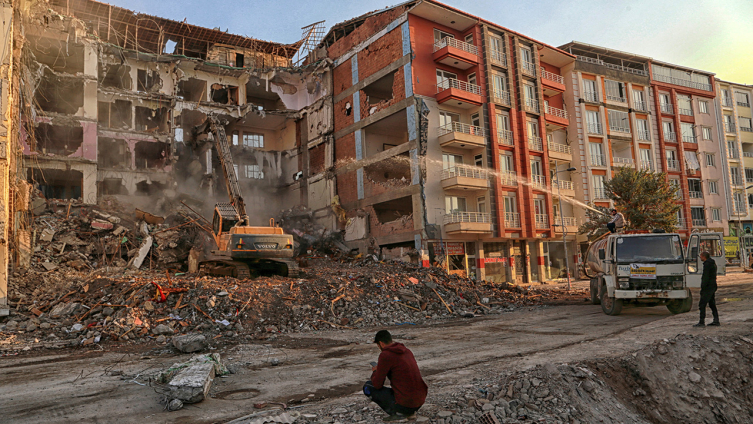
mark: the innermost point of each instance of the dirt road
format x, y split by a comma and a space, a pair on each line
97, 386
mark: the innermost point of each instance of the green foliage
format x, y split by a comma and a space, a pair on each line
646, 200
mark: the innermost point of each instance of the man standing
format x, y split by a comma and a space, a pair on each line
617, 222
708, 290
408, 391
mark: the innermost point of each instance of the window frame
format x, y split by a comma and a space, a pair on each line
252, 134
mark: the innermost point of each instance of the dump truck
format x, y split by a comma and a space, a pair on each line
649, 269
242, 250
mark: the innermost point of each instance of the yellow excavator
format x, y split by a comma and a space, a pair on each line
242, 251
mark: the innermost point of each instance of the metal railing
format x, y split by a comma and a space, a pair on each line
534, 143
682, 82
566, 221
456, 217
644, 135
502, 97
598, 160
509, 178
600, 193
458, 44
542, 220
587, 59
673, 164
512, 219
538, 181
594, 129
730, 128
560, 148
726, 102
743, 104
746, 129
591, 96
689, 139
616, 98
529, 68
733, 154
618, 161
699, 222
505, 137
695, 194
647, 165
498, 57
639, 105
551, 76
461, 128
467, 171
670, 136
736, 180
748, 154
686, 112
564, 185
560, 113
458, 85
619, 128
667, 108
532, 105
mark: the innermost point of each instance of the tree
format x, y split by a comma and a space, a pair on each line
646, 200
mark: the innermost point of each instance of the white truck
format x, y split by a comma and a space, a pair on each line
649, 269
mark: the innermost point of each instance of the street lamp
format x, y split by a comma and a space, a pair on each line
562, 223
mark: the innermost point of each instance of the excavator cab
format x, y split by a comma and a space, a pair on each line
225, 218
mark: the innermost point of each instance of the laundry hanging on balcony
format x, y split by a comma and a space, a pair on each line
691, 161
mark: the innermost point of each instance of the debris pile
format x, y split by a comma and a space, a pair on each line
308, 235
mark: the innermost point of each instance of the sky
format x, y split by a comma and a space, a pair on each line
710, 35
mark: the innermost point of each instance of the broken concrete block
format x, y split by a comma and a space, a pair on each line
141, 255
118, 231
192, 383
98, 224
47, 235
162, 329
190, 343
49, 266
63, 309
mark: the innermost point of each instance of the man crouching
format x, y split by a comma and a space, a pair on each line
408, 391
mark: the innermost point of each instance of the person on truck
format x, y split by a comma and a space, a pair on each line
617, 221
708, 291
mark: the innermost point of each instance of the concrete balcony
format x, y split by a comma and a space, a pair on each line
686, 112
565, 224
512, 220
456, 53
508, 178
459, 93
529, 68
501, 97
673, 165
667, 108
542, 221
618, 161
699, 222
695, 194
504, 137
465, 177
563, 188
468, 223
498, 58
552, 81
538, 181
462, 136
689, 139
531, 105
535, 143
556, 115
560, 151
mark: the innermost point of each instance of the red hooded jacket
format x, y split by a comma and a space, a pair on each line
397, 363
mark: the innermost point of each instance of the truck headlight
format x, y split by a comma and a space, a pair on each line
624, 282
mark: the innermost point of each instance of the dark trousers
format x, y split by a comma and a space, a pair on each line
385, 398
612, 227
708, 298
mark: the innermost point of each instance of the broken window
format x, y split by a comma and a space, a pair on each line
225, 94
380, 90
253, 140
113, 153
151, 120
151, 154
115, 76
253, 171
238, 60
58, 140
392, 210
112, 187
192, 90
147, 81
59, 55
150, 188
114, 115
60, 94
58, 183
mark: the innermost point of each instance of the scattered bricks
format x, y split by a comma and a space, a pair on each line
190, 343
101, 225
488, 418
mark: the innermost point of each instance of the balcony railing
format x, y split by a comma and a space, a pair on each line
591, 96
466, 171
587, 59
504, 137
560, 113
594, 129
502, 97
667, 108
512, 219
538, 181
619, 128
673, 164
682, 82
639, 105
565, 221
618, 161
532, 105
644, 135
498, 57
730, 128
727, 102
732, 154
600, 193
686, 112
746, 129
458, 44
534, 143
696, 194
681, 224
542, 221
699, 222
672, 136
748, 154
455, 217
743, 104
563, 185
736, 180
689, 139
552, 76
616, 98
529, 68
508, 178
461, 128
458, 85
560, 148
647, 165
598, 160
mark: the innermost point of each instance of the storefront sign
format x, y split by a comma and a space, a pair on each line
495, 260
731, 247
452, 248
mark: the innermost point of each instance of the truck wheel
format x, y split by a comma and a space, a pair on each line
595, 291
681, 306
610, 305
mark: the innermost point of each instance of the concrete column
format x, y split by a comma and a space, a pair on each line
543, 265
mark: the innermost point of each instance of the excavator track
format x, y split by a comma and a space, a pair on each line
293, 270
234, 269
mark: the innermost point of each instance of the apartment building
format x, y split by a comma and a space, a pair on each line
448, 131
117, 96
735, 128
